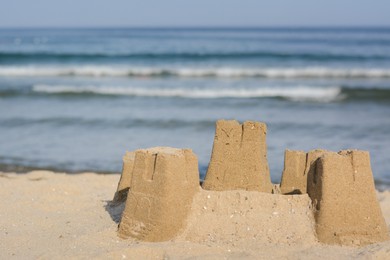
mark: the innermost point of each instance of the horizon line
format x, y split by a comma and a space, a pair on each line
200, 27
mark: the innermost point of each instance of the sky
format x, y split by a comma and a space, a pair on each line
181, 13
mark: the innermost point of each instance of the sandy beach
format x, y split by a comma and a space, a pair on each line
46, 215
196, 130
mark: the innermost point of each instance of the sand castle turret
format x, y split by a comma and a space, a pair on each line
164, 181
294, 177
125, 180
342, 191
239, 158
297, 168
345, 205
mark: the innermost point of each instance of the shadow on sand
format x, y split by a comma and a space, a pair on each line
115, 209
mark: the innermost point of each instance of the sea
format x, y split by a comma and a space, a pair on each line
76, 100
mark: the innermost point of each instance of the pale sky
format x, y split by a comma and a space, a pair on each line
177, 13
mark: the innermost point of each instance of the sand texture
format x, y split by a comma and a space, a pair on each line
47, 215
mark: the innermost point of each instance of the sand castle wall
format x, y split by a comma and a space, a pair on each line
239, 158
163, 184
245, 218
346, 209
125, 180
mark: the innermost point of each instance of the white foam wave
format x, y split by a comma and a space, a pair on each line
118, 71
300, 93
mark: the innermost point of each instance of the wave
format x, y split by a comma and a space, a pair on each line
294, 93
112, 71
197, 56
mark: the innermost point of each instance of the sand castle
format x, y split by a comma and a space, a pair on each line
294, 177
239, 158
342, 190
297, 167
159, 184
346, 209
163, 183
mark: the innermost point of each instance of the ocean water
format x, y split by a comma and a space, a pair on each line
77, 99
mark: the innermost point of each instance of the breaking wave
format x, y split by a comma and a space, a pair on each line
324, 94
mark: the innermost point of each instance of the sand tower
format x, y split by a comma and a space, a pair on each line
297, 168
239, 158
346, 208
294, 177
125, 180
163, 184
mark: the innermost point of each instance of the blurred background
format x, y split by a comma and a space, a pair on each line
79, 87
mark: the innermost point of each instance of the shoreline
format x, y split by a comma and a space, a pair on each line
57, 215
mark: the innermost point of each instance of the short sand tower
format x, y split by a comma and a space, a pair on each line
297, 168
345, 205
239, 158
294, 177
163, 184
125, 180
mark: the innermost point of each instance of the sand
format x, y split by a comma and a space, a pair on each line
49, 215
